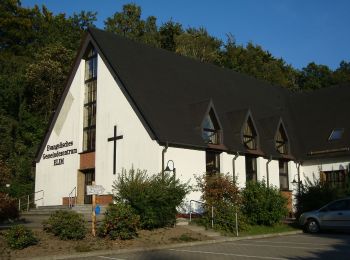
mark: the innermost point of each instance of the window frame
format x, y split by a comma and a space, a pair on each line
283, 174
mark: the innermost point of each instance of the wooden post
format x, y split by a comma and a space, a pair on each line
93, 219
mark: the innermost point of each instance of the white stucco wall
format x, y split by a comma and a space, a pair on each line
136, 149
226, 166
312, 171
58, 181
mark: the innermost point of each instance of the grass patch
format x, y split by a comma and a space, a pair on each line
83, 248
261, 230
184, 238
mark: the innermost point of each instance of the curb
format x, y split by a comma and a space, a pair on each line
169, 246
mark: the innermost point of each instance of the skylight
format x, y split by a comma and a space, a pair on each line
336, 134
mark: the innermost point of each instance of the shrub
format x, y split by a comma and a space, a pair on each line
19, 237
154, 198
315, 194
221, 191
263, 205
8, 208
67, 225
120, 222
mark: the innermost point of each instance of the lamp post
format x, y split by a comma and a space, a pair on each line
168, 171
299, 182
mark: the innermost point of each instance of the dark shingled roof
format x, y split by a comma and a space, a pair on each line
172, 95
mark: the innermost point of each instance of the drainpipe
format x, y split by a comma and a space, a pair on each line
163, 155
298, 168
234, 166
267, 171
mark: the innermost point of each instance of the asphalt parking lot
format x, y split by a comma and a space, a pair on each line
300, 246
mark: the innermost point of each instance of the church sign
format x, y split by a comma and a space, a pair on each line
59, 150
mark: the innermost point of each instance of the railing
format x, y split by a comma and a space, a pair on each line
26, 200
71, 202
212, 215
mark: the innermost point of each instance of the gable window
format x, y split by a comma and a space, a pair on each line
90, 91
211, 129
283, 174
336, 134
250, 168
249, 135
212, 162
281, 141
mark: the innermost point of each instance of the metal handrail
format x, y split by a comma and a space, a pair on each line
212, 215
28, 199
70, 197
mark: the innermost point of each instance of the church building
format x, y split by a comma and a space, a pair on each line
128, 105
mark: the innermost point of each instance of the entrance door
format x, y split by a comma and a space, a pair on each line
89, 178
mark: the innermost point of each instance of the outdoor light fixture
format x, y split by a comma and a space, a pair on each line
295, 181
168, 171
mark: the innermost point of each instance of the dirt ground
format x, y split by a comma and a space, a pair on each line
51, 245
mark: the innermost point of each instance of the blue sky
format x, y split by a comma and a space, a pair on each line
299, 31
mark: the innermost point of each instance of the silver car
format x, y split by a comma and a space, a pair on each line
335, 215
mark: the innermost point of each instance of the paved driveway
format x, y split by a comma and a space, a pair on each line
301, 246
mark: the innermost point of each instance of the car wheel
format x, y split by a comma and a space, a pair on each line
312, 226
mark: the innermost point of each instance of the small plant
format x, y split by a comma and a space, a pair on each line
19, 237
67, 225
120, 222
8, 208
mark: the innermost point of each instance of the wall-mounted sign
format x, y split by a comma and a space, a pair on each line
94, 189
59, 150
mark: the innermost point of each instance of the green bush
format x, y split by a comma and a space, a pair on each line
315, 194
19, 237
263, 205
8, 208
220, 191
154, 198
67, 225
120, 222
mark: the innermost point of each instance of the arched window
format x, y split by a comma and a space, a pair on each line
281, 140
249, 135
211, 129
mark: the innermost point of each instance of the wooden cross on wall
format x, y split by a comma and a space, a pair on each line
114, 138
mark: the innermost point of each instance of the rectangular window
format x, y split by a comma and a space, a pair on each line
283, 173
335, 178
212, 162
89, 121
250, 168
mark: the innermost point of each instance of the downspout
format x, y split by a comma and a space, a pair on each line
267, 171
163, 156
234, 166
298, 172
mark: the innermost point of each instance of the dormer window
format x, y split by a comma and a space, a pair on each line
211, 129
249, 135
281, 140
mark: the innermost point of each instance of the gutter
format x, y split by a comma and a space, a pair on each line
234, 166
163, 156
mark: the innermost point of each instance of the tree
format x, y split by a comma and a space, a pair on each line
342, 73
168, 33
197, 43
45, 78
315, 76
127, 23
